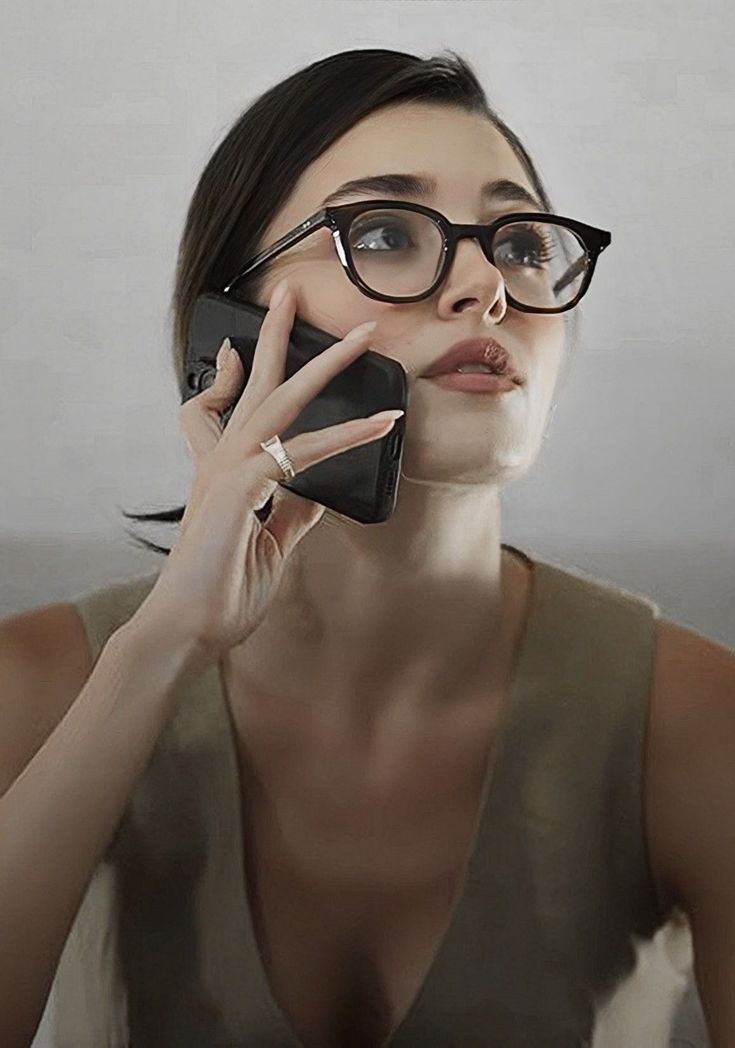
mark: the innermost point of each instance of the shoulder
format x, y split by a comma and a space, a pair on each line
48, 643
690, 797
45, 659
690, 762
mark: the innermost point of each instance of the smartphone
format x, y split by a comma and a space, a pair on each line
360, 483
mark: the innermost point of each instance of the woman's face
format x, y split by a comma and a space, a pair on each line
450, 436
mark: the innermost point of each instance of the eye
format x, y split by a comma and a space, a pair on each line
381, 234
391, 236
524, 246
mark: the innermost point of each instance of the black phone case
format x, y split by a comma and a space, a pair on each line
360, 483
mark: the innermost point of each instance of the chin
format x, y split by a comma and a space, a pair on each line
496, 468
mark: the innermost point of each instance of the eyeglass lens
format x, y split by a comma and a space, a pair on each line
399, 253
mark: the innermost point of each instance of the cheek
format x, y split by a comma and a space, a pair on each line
540, 329
548, 337
328, 300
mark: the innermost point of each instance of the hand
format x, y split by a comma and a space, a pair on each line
220, 576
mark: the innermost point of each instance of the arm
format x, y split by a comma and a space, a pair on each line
60, 806
691, 806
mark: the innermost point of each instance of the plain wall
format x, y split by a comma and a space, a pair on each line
109, 113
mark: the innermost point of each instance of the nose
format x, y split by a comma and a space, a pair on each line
472, 281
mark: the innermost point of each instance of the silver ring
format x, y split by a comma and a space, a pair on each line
276, 450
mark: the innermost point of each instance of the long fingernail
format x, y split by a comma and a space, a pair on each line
222, 353
383, 416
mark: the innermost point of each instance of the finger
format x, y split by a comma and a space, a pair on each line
290, 520
269, 360
198, 417
266, 382
314, 446
285, 403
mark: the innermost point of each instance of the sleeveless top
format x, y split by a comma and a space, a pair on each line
550, 942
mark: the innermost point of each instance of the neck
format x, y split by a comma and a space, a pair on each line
420, 604
401, 580
414, 611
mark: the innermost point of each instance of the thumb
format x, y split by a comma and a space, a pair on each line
200, 417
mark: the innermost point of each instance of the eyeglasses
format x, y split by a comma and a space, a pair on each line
401, 252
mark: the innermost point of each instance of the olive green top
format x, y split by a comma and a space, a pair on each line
557, 896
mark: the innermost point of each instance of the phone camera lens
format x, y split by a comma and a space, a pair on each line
206, 378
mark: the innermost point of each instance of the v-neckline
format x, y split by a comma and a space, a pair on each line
469, 881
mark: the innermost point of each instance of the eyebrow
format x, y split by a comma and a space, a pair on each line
422, 186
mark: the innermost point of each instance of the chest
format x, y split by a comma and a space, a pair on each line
353, 868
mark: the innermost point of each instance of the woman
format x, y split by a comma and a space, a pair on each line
325, 784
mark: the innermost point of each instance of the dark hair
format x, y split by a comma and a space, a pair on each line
257, 164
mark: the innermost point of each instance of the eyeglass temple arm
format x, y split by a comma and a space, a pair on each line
575, 269
294, 236
571, 273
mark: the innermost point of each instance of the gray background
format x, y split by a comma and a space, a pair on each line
109, 113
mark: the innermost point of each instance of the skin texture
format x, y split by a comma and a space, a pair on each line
374, 613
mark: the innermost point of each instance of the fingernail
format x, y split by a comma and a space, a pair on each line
360, 330
279, 293
392, 413
222, 353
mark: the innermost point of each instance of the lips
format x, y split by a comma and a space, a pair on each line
475, 351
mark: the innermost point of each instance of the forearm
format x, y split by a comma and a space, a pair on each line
58, 817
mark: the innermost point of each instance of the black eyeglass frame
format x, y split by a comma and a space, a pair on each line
338, 219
